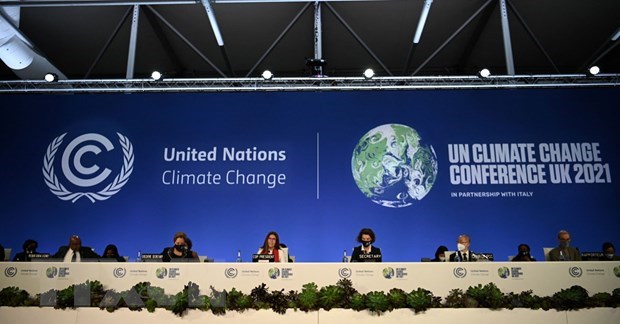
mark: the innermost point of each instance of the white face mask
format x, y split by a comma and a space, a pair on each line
460, 247
442, 258
609, 256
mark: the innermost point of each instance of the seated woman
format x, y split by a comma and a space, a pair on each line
524, 254
366, 252
29, 247
111, 252
181, 251
440, 254
271, 245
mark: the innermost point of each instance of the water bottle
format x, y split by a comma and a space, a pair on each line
345, 258
139, 257
238, 256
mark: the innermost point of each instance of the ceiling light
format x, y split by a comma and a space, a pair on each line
51, 77
156, 75
594, 70
267, 75
616, 35
484, 73
369, 73
423, 15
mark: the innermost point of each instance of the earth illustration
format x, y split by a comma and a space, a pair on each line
391, 166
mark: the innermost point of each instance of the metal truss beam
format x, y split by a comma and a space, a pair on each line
90, 3
312, 84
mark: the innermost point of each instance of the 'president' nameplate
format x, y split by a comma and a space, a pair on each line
263, 258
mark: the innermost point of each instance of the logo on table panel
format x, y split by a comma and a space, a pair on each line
344, 272
388, 273
10, 272
460, 272
51, 272
231, 273
119, 272
391, 166
273, 273
503, 272
86, 167
617, 271
161, 273
575, 272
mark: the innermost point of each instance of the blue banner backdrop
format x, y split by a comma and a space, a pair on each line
503, 166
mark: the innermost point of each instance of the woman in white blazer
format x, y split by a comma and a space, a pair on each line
271, 245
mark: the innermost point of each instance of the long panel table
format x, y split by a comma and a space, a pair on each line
543, 278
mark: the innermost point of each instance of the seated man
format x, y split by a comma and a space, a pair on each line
564, 252
463, 254
75, 252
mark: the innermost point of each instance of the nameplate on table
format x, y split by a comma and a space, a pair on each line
591, 256
152, 257
369, 257
263, 258
39, 257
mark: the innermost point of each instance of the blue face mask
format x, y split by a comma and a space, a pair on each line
564, 244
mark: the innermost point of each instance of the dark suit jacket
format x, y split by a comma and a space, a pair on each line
572, 253
458, 257
23, 256
85, 253
356, 256
169, 256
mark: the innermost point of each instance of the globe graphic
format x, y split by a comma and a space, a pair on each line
392, 168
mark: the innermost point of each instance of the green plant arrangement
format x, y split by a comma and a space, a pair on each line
342, 295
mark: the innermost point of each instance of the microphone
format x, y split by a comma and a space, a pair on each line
478, 255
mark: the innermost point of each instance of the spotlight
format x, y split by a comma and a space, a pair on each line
267, 75
484, 73
594, 70
156, 76
369, 73
51, 77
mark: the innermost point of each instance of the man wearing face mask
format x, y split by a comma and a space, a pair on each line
463, 254
609, 253
366, 252
181, 251
524, 254
564, 252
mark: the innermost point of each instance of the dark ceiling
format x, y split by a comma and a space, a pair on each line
573, 33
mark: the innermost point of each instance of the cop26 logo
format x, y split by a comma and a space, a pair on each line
79, 167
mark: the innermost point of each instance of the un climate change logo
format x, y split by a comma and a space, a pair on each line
231, 273
119, 272
460, 272
392, 168
72, 162
575, 272
10, 272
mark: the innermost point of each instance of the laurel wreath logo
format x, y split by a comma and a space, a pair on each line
111, 189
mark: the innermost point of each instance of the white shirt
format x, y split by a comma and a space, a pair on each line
69, 256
